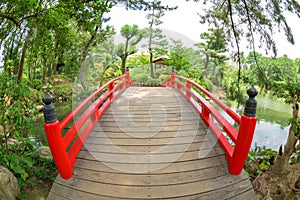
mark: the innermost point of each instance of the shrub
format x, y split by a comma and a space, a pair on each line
16, 108
209, 85
153, 83
141, 78
163, 77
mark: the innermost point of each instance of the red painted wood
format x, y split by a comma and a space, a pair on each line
224, 107
207, 109
65, 148
75, 112
243, 144
57, 147
236, 154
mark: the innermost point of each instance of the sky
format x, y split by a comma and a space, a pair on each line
185, 21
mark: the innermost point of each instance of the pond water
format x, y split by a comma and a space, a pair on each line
272, 125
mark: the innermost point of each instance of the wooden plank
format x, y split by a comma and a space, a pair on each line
148, 192
248, 194
227, 192
148, 129
167, 123
139, 179
70, 193
125, 134
146, 141
172, 148
146, 158
56, 196
176, 166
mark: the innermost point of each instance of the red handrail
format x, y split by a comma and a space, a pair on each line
236, 154
65, 148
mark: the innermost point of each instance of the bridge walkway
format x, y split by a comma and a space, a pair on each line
151, 144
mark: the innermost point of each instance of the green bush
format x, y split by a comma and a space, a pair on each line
165, 71
163, 77
136, 71
208, 84
259, 160
141, 78
23, 162
16, 109
153, 83
63, 91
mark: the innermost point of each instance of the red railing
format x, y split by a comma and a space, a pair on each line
237, 149
65, 147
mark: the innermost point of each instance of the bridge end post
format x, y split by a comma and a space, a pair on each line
128, 81
172, 78
245, 134
55, 140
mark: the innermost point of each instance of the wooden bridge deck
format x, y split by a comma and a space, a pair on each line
151, 144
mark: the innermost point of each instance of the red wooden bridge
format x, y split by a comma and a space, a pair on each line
170, 142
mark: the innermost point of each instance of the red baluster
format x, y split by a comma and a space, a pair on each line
245, 134
55, 140
188, 90
172, 78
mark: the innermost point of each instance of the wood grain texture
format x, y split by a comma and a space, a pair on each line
151, 144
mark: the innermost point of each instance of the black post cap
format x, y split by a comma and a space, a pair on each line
251, 103
49, 110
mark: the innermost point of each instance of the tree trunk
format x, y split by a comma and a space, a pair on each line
123, 62
5, 63
55, 66
214, 69
55, 58
49, 71
45, 72
22, 62
124, 56
282, 160
16, 63
151, 63
34, 70
29, 68
83, 58
150, 44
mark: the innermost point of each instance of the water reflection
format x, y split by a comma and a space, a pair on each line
270, 135
272, 126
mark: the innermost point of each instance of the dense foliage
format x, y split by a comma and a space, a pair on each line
43, 39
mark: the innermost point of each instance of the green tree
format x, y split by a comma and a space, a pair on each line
90, 15
280, 76
291, 92
258, 18
213, 46
133, 35
157, 11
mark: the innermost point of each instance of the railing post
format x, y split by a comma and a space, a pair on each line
188, 90
127, 78
205, 113
111, 89
55, 140
245, 134
172, 78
